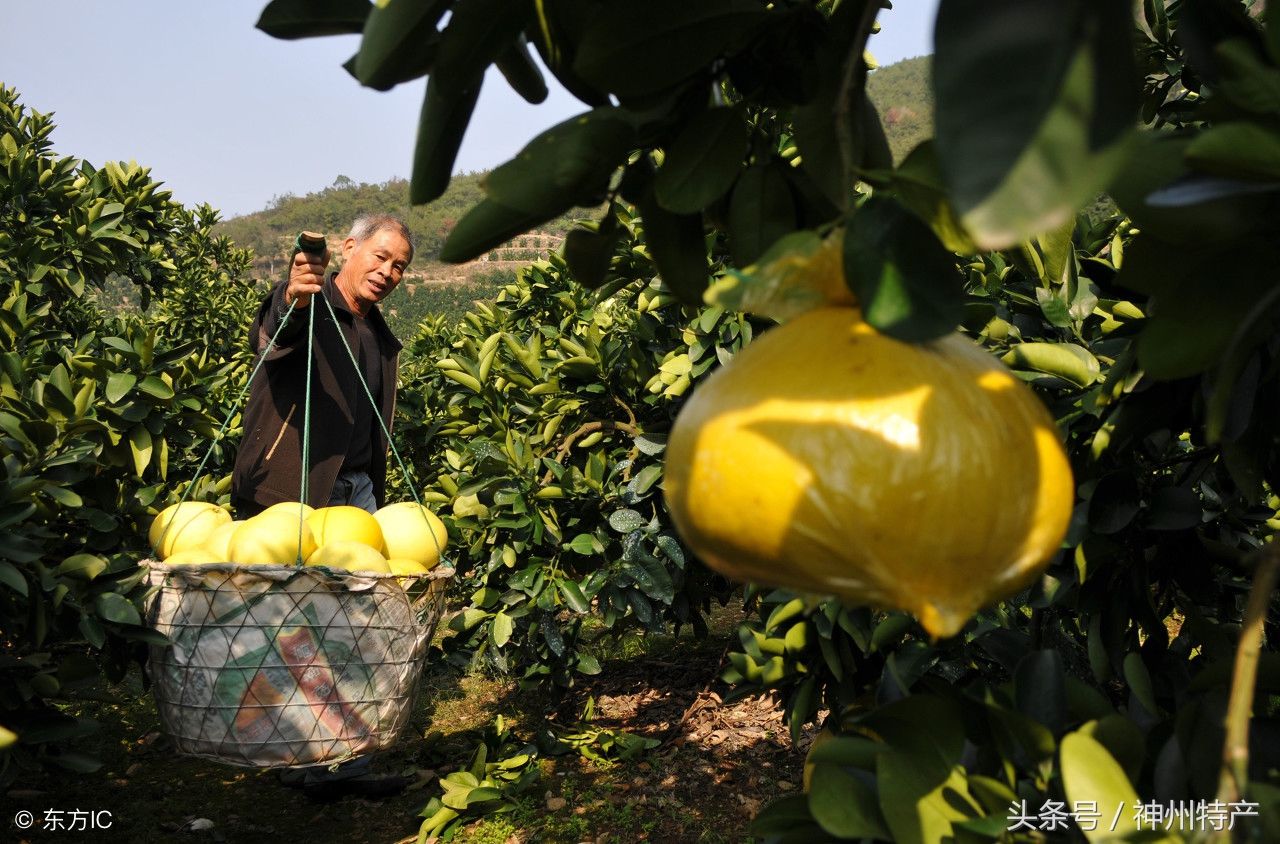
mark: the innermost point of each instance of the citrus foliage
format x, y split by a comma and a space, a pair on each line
1151, 337
102, 417
545, 415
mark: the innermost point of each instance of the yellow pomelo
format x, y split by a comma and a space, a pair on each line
184, 525
290, 507
201, 554
271, 538
350, 555
829, 458
400, 565
412, 532
219, 541
345, 523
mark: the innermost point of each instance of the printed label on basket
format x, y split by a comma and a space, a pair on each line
284, 668
286, 691
311, 669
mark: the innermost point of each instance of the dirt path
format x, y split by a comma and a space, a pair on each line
717, 764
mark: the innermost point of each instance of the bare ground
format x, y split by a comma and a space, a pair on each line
718, 763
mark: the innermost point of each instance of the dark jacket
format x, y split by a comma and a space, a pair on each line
269, 464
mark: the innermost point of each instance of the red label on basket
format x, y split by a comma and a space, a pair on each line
255, 719
307, 663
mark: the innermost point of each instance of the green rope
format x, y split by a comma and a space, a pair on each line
306, 430
235, 408
386, 432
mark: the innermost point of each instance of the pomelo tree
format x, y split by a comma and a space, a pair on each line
104, 413
1128, 674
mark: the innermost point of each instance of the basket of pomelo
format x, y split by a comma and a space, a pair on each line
296, 637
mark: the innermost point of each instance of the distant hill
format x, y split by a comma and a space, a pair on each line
903, 96
900, 91
270, 232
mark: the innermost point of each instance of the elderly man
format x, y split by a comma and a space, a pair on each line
348, 449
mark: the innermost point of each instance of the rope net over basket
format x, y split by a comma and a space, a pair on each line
277, 666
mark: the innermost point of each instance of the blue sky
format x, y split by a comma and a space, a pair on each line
226, 115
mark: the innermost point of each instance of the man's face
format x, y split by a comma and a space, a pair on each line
373, 267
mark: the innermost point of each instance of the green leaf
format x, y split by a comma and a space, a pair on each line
1091, 775
1114, 503
156, 388
573, 596
589, 253
918, 805
1200, 301
703, 161
485, 226
1237, 150
843, 806
848, 751
11, 577
396, 34
1073, 364
679, 249
644, 480
761, 210
289, 19
441, 125
80, 763
551, 635
637, 49
503, 627
140, 447
1040, 688
82, 566
587, 664
64, 496
1139, 680
119, 384
1122, 738
585, 544
928, 728
478, 32
116, 608
625, 521
1174, 508
782, 816
904, 279
569, 164
917, 183
1061, 78
516, 64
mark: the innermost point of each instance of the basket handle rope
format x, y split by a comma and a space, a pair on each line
238, 403
386, 432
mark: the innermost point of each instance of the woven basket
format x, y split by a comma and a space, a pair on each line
284, 666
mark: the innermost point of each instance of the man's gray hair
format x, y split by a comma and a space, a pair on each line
367, 225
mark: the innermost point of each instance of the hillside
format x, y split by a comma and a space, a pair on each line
900, 91
904, 98
270, 232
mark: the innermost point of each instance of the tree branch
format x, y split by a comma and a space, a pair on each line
583, 430
1235, 749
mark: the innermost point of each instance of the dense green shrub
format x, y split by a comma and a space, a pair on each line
540, 420
103, 415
